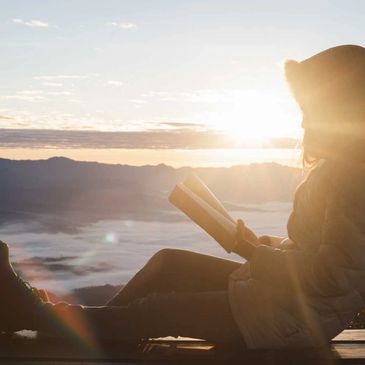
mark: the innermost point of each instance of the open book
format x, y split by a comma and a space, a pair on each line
196, 200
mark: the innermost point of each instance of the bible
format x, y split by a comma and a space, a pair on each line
197, 201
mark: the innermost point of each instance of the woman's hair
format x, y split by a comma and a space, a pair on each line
308, 161
330, 86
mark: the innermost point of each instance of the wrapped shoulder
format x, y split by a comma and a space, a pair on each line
347, 196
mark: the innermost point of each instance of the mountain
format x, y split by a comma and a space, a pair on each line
81, 192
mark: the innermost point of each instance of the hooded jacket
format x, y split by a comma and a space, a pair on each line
306, 293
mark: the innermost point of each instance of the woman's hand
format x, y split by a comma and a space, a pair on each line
246, 241
245, 233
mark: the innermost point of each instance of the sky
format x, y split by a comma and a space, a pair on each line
157, 76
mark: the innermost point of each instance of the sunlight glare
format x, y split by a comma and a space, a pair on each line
254, 117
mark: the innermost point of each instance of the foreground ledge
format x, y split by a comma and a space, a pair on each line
347, 348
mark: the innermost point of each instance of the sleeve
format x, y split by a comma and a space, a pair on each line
339, 264
273, 241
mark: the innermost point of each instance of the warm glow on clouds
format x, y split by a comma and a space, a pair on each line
256, 116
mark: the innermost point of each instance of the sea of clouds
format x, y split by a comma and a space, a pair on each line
111, 251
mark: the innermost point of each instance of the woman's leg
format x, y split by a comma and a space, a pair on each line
204, 315
174, 270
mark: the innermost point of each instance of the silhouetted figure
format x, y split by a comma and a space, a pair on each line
293, 292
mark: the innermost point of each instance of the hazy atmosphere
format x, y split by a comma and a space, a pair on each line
106, 105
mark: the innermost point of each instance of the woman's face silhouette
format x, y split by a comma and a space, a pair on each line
318, 135
328, 129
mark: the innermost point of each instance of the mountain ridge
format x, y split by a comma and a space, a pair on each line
89, 191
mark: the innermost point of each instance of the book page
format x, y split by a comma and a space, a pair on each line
199, 188
222, 229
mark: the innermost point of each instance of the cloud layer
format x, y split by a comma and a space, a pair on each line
180, 138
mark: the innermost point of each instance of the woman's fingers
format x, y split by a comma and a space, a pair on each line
240, 224
244, 233
240, 229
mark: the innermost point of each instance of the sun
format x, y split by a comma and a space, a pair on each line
254, 118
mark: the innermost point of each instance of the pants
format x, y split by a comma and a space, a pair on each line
177, 293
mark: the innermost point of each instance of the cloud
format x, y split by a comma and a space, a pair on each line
24, 97
182, 125
115, 83
161, 95
6, 117
205, 96
52, 84
35, 95
30, 92
137, 101
149, 139
31, 23
60, 93
123, 25
177, 138
60, 77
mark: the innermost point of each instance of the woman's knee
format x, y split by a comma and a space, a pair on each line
166, 258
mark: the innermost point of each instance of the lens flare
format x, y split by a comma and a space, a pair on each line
110, 237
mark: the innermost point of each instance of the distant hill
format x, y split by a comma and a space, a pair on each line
88, 191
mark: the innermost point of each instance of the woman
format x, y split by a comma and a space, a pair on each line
295, 292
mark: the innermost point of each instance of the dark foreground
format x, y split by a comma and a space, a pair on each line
347, 348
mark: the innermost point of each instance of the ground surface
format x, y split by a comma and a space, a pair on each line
348, 348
